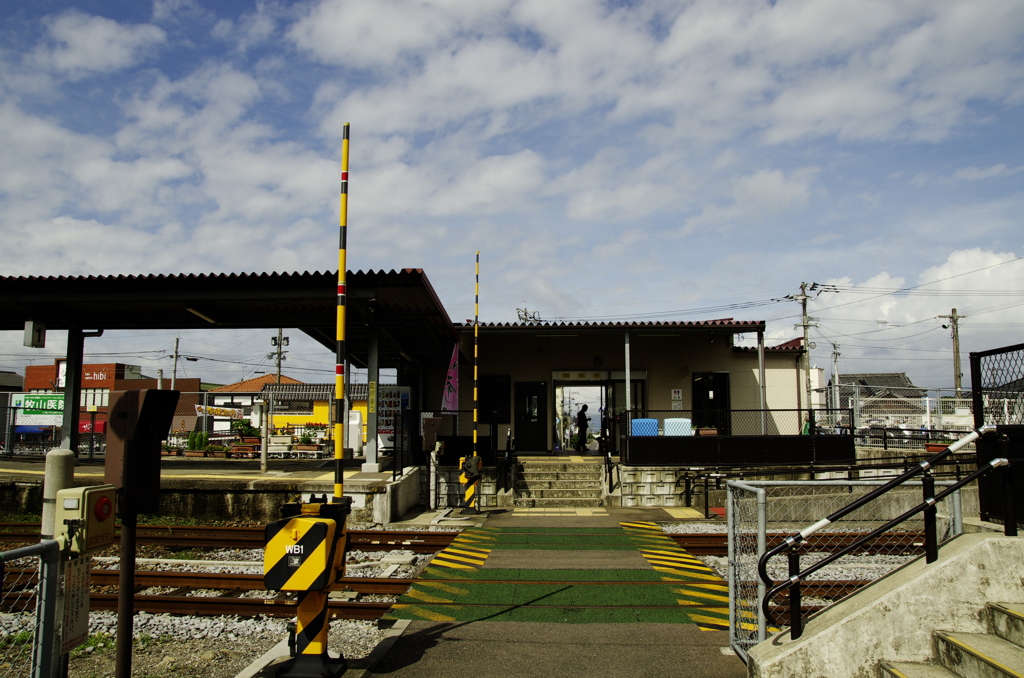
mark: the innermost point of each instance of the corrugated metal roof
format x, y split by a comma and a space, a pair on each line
299, 391
401, 304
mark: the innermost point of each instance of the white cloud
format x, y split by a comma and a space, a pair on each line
756, 197
981, 173
81, 44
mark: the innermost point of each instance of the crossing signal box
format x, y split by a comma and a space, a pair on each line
85, 518
305, 552
301, 552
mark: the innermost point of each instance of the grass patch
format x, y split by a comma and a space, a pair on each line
98, 642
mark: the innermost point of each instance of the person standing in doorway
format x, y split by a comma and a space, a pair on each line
582, 423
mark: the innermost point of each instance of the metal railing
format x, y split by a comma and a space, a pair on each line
760, 513
28, 644
926, 507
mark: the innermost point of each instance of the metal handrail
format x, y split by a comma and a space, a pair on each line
791, 542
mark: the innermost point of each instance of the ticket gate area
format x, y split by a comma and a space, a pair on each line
305, 552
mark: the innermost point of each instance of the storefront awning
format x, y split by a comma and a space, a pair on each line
33, 428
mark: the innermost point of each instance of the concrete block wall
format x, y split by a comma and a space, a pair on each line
449, 487
651, 486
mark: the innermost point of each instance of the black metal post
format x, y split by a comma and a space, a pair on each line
796, 622
689, 491
707, 501
126, 597
1006, 479
931, 541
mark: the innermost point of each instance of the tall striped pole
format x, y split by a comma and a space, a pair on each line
340, 415
476, 349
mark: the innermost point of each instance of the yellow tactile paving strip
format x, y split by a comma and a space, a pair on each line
704, 593
560, 511
99, 473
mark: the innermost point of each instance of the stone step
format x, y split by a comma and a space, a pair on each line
545, 474
979, 654
591, 470
533, 502
559, 484
914, 670
561, 494
1008, 621
561, 477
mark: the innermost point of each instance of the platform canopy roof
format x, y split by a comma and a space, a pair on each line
402, 306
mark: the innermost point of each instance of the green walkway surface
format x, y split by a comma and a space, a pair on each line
632, 573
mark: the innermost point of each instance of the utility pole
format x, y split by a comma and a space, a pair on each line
835, 376
806, 324
174, 370
280, 342
954, 328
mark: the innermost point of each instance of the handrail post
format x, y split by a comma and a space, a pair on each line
1006, 479
931, 542
707, 500
796, 623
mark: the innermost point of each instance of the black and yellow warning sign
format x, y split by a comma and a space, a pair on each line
299, 554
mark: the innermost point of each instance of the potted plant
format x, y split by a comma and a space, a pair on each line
939, 444
306, 444
216, 451
707, 431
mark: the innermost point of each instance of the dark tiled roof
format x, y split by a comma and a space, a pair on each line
879, 385
728, 324
11, 380
254, 385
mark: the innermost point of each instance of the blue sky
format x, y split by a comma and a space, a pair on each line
610, 160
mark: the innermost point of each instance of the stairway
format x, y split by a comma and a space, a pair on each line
557, 483
973, 655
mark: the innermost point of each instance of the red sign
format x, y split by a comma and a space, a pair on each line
86, 427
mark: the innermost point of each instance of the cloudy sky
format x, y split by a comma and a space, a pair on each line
647, 160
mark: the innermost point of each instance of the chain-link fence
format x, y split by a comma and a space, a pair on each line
763, 513
28, 588
999, 375
999, 400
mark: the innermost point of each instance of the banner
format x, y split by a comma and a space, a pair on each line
450, 398
218, 411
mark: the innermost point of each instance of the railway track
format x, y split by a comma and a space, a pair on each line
189, 593
211, 593
431, 542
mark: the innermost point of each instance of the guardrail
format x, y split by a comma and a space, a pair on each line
927, 507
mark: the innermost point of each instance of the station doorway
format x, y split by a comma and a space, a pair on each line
606, 409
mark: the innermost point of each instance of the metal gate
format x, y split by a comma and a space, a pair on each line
997, 380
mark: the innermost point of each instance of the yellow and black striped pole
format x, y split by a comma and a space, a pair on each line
340, 415
471, 481
476, 353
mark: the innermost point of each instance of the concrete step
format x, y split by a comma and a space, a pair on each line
533, 502
560, 494
979, 654
1008, 621
559, 484
561, 468
561, 475
913, 670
